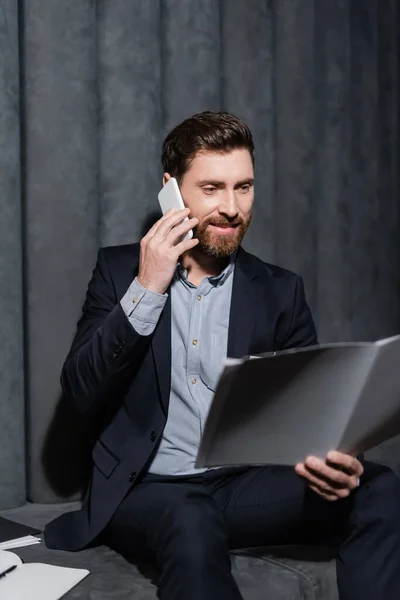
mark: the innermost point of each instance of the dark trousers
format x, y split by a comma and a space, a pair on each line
186, 526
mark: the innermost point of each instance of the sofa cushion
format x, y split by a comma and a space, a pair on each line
281, 573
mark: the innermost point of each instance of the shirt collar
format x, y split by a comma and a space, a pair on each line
215, 280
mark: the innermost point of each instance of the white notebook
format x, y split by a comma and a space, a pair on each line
36, 581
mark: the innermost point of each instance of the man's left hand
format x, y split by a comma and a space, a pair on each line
333, 478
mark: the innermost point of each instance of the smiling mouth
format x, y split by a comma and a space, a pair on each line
234, 226
224, 229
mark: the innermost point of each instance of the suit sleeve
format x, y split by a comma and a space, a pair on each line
106, 347
302, 330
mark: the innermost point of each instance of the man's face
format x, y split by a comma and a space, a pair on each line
219, 190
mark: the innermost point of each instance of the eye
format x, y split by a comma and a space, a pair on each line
245, 187
209, 189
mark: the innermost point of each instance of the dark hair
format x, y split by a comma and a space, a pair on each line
214, 131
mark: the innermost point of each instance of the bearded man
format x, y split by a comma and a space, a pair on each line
159, 319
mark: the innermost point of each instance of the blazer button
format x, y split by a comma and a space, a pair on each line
153, 436
132, 476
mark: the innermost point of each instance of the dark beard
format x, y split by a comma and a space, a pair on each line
220, 246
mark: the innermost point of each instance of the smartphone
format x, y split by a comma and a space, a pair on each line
170, 197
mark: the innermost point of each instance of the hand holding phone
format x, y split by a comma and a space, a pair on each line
162, 246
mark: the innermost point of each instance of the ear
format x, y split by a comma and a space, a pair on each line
166, 178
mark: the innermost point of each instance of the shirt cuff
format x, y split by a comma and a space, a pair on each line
143, 307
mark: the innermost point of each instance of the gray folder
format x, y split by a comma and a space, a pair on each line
280, 408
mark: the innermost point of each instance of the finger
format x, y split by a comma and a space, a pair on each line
324, 495
349, 463
181, 230
172, 221
313, 479
334, 476
320, 482
171, 212
157, 224
186, 245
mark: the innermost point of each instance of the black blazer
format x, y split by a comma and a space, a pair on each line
113, 370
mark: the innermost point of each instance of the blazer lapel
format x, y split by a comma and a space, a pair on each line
247, 297
161, 346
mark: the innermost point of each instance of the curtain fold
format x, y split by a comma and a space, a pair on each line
247, 89
333, 169
94, 90
12, 439
295, 201
191, 58
130, 109
60, 173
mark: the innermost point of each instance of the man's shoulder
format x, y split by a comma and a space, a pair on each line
267, 271
117, 256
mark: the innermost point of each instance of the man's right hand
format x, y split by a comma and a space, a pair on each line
159, 250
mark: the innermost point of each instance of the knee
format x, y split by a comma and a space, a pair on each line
194, 558
196, 537
194, 515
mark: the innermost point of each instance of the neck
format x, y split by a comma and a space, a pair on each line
199, 265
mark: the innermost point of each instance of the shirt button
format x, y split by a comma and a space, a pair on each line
132, 476
199, 297
194, 380
153, 436
194, 342
134, 299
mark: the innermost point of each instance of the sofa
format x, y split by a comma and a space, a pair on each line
270, 573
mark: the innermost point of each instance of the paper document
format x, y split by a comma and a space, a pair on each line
287, 405
16, 535
28, 540
36, 581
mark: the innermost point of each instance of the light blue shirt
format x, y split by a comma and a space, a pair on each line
199, 340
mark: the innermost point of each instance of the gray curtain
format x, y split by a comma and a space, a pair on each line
87, 92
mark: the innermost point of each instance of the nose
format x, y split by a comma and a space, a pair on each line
229, 206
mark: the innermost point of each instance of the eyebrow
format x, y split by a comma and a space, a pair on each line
221, 184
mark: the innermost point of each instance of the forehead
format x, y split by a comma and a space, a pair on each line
225, 166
